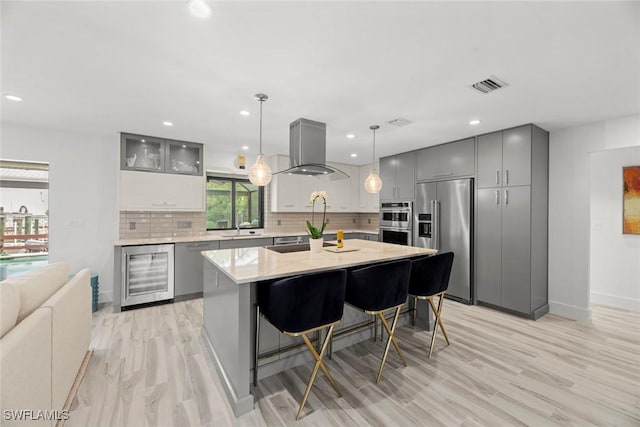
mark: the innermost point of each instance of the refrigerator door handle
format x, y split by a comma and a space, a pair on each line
435, 209
506, 197
497, 197
497, 177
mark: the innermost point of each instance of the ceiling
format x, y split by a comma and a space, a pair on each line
106, 67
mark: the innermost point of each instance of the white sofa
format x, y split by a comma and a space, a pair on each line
45, 331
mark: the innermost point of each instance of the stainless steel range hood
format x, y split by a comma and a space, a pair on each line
308, 150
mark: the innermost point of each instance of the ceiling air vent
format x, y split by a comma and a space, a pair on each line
489, 85
399, 122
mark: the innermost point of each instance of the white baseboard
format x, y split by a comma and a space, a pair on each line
105, 297
570, 311
615, 301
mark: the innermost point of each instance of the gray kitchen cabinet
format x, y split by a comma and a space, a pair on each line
189, 267
143, 153
246, 243
504, 158
398, 177
445, 161
511, 220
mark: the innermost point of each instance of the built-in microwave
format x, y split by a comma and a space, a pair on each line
396, 214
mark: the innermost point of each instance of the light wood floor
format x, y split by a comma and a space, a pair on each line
150, 368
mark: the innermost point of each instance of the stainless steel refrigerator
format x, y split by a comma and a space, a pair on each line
443, 216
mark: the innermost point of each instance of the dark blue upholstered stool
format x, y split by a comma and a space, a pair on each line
379, 288
299, 305
430, 279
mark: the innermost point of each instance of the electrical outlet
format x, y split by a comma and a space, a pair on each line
327, 220
368, 220
353, 220
279, 222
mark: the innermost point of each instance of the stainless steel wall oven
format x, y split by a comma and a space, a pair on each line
396, 223
147, 274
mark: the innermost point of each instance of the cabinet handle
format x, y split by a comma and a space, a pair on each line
506, 197
497, 197
288, 206
443, 174
497, 177
506, 177
163, 204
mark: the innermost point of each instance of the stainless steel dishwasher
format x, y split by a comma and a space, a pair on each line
190, 267
147, 274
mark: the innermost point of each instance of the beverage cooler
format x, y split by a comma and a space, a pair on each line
147, 274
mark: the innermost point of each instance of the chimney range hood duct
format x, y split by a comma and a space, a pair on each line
308, 150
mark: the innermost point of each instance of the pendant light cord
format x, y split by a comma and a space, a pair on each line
374, 150
261, 101
374, 128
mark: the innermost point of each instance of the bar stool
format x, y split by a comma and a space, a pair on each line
299, 305
430, 279
379, 288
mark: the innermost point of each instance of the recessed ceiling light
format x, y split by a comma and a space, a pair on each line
13, 98
167, 123
353, 155
184, 146
142, 140
199, 8
350, 136
474, 122
245, 113
245, 147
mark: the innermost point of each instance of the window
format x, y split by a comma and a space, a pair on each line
231, 201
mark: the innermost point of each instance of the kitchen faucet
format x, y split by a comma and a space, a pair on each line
238, 216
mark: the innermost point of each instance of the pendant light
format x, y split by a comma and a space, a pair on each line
373, 183
260, 172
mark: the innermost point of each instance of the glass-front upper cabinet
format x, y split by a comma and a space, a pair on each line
146, 153
142, 153
183, 157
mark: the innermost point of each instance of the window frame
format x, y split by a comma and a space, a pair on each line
234, 181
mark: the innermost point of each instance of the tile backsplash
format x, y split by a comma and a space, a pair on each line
139, 225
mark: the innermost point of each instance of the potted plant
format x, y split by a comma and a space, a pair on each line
315, 234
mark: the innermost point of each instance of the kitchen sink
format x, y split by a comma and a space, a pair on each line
294, 247
241, 234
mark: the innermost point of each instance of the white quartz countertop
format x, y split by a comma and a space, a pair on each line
245, 265
222, 235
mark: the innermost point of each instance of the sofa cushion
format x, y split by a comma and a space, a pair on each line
9, 307
37, 286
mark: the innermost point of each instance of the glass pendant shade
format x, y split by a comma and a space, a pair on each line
373, 183
260, 172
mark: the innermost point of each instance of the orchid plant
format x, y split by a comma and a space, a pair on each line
314, 232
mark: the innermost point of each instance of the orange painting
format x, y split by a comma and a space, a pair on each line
631, 199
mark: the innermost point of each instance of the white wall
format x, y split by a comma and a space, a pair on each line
82, 194
615, 257
569, 208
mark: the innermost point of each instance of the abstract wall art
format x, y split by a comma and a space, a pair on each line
631, 200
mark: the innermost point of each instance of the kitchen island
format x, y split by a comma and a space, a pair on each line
229, 307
